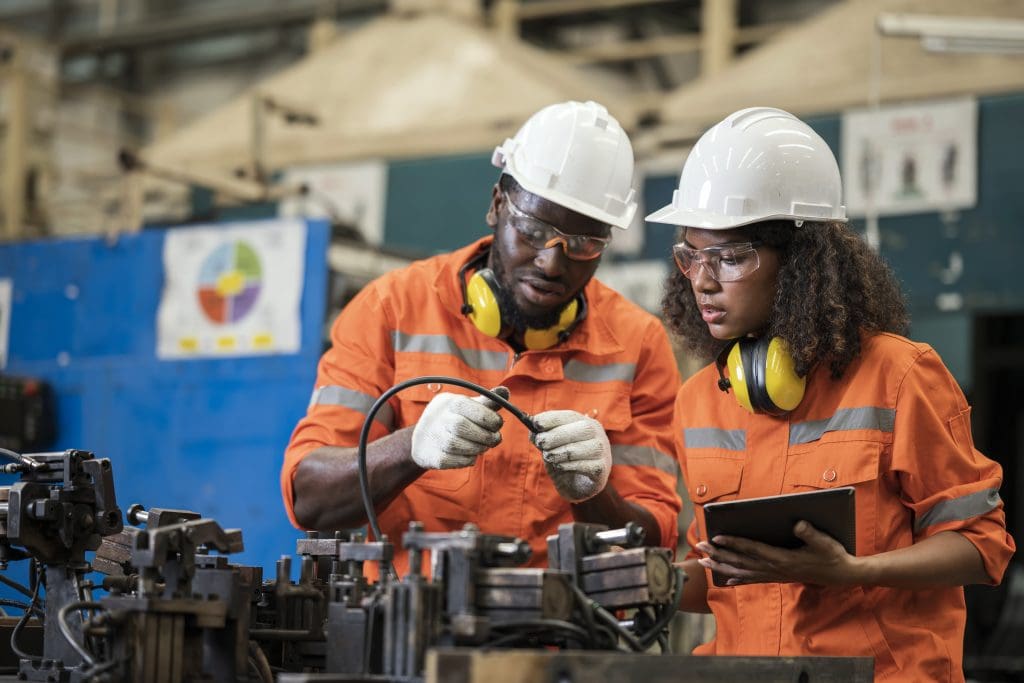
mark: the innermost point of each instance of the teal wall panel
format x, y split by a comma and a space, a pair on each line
435, 205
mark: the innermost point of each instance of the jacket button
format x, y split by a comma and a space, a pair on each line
702, 490
592, 412
829, 475
434, 387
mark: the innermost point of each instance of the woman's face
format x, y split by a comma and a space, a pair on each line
732, 309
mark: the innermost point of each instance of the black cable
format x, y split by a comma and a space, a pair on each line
364, 434
662, 622
25, 617
6, 602
532, 627
608, 619
7, 581
13, 455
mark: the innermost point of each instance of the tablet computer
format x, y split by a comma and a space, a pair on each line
771, 519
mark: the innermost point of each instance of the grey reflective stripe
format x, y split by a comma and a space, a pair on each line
958, 509
709, 437
845, 420
445, 345
647, 456
333, 395
579, 371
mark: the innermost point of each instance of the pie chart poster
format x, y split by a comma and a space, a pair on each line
231, 291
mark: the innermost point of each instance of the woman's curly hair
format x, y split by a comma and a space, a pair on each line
831, 287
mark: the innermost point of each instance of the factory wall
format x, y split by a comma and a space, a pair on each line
204, 435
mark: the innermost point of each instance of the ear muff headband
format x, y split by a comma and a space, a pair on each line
482, 306
545, 339
763, 376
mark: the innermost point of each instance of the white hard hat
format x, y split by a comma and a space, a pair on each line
574, 154
757, 164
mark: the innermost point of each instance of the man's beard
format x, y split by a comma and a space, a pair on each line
518, 319
513, 316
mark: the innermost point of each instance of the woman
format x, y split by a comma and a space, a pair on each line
815, 388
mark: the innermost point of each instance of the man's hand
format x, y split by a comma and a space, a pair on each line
576, 453
455, 429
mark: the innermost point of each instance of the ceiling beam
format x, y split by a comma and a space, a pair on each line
163, 31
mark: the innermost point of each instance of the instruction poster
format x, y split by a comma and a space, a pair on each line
232, 290
910, 159
6, 287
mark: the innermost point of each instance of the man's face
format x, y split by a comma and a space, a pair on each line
537, 282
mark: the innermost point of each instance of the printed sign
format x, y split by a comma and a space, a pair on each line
232, 290
910, 159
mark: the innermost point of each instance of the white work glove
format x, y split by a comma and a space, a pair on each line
455, 429
576, 453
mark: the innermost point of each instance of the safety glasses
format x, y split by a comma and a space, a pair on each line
725, 263
541, 235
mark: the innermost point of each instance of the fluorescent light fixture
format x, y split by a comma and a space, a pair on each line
956, 34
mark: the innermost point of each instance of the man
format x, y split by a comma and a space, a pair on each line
519, 310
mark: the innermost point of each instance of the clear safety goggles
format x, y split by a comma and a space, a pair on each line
725, 263
541, 235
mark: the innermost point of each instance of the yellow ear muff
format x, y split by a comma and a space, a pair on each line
784, 386
545, 339
486, 311
738, 377
763, 375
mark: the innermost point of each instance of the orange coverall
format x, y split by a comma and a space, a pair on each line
897, 428
617, 367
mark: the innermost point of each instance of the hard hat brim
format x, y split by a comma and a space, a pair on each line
673, 215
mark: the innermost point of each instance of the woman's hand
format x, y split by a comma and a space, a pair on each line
822, 561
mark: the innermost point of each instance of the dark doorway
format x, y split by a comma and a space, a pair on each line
995, 622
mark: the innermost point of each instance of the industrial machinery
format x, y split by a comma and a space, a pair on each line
172, 612
63, 506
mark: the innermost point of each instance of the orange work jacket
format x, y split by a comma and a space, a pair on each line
896, 427
617, 366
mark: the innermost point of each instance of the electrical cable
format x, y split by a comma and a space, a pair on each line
364, 483
662, 622
532, 627
6, 602
4, 579
26, 463
33, 567
65, 629
608, 618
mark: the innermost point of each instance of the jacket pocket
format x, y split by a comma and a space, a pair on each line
843, 463
830, 465
710, 479
713, 478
